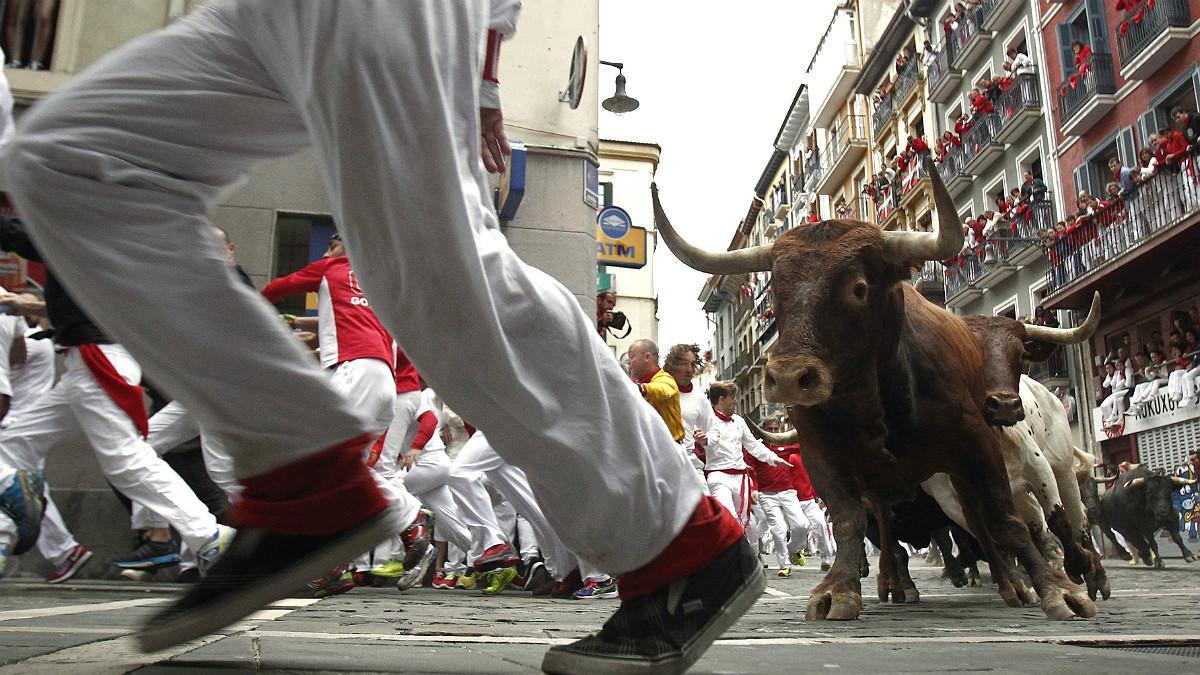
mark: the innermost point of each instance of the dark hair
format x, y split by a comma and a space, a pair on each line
1177, 109
678, 353
601, 294
718, 389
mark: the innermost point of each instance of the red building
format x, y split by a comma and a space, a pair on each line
1116, 70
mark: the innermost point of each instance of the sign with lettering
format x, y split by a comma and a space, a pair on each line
628, 250
1160, 411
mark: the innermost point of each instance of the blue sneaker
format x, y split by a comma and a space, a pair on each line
24, 501
597, 590
149, 555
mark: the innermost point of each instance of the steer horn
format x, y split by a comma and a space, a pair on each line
741, 261
785, 438
1180, 480
946, 242
1068, 336
1136, 482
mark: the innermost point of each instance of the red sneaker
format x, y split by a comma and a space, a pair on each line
500, 555
443, 582
75, 560
416, 538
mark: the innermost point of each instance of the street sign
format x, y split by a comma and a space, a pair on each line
614, 221
628, 250
591, 184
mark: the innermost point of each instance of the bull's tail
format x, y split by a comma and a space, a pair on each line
1083, 463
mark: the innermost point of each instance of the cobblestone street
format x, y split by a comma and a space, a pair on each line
1151, 624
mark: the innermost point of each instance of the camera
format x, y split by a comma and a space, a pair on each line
618, 321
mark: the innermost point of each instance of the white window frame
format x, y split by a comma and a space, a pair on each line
1014, 302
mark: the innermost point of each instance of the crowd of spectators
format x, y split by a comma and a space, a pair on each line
1135, 375
987, 235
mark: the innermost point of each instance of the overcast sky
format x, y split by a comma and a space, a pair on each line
714, 88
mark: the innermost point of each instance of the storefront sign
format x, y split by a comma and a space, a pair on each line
1160, 411
618, 242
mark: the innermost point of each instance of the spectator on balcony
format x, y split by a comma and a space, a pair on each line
1083, 58
1126, 176
916, 146
1147, 163
1182, 382
981, 104
1189, 123
1068, 403
962, 126
1112, 408
928, 54
1021, 63
901, 63
1032, 188
1041, 317
1155, 375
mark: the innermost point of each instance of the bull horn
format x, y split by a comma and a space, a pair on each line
1137, 482
1180, 480
1100, 480
1068, 336
946, 242
741, 261
786, 438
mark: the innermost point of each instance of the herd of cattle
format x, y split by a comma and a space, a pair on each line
917, 424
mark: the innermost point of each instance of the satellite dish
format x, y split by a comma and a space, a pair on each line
574, 91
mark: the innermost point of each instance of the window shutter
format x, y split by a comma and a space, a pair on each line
1065, 37
1196, 87
1125, 147
1097, 28
1080, 175
1148, 125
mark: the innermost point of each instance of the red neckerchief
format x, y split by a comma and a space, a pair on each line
722, 416
687, 389
646, 379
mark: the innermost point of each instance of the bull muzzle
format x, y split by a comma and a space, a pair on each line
1003, 409
797, 380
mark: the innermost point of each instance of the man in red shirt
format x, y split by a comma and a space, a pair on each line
359, 354
778, 499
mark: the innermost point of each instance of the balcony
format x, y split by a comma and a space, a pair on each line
1052, 371
1019, 108
930, 280
1084, 99
884, 113
952, 170
766, 411
913, 183
980, 147
941, 79
813, 172
999, 253
995, 14
960, 277
1123, 234
1154, 32
970, 40
906, 83
845, 148
741, 365
836, 63
1027, 226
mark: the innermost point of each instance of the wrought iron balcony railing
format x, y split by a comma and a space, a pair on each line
1146, 22
1022, 95
1078, 89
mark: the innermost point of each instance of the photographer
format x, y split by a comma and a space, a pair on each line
606, 318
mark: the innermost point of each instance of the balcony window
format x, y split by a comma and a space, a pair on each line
1095, 78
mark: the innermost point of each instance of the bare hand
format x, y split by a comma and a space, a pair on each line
495, 147
701, 437
779, 461
409, 458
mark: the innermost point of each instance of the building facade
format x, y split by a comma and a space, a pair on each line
626, 172
1137, 65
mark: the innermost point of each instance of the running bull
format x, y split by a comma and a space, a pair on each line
1139, 505
886, 390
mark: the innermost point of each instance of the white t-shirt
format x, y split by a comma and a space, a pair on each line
11, 327
696, 412
727, 439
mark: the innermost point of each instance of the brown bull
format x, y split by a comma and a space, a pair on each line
885, 389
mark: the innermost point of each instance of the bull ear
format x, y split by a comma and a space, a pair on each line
1038, 351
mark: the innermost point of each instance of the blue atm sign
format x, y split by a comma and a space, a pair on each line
618, 242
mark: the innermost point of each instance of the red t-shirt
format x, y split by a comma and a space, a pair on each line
348, 329
800, 481
773, 478
407, 377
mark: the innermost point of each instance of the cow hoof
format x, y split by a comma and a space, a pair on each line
911, 595
883, 589
1024, 592
1105, 590
1192, 558
1009, 594
833, 606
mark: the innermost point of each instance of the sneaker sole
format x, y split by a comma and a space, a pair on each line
564, 662
168, 629
411, 578
71, 570
156, 563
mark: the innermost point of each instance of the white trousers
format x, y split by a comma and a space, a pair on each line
1182, 384
173, 425
819, 529
55, 542
401, 431
787, 522
77, 407
427, 481
731, 490
1147, 390
142, 146
478, 458
1113, 406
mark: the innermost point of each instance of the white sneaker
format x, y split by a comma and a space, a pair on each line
212, 549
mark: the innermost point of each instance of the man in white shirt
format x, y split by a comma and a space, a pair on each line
694, 407
725, 470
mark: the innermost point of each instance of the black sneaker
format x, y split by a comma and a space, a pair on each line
149, 555
668, 630
259, 568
